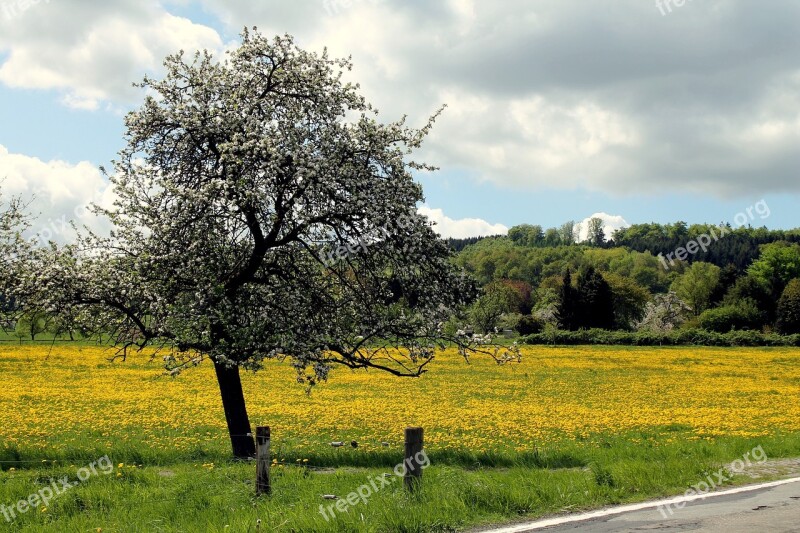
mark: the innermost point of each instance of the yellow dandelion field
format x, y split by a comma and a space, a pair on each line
72, 398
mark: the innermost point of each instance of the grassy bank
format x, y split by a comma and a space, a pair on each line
188, 496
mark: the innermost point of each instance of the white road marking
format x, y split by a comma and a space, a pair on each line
520, 528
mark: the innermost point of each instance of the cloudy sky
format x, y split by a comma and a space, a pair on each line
557, 109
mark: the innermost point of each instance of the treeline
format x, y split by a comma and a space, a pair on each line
501, 258
459, 244
738, 247
682, 337
749, 281
728, 245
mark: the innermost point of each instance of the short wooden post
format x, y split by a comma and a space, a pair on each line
413, 468
263, 485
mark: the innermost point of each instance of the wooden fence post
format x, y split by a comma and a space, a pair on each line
414, 446
263, 485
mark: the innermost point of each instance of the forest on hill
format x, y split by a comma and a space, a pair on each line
646, 277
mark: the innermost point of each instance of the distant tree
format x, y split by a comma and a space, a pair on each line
497, 299
14, 252
696, 285
567, 312
749, 289
32, 323
568, 232
778, 264
524, 302
644, 269
727, 279
596, 235
678, 231
664, 313
546, 300
789, 309
519, 234
744, 315
527, 235
595, 301
552, 237
528, 325
629, 300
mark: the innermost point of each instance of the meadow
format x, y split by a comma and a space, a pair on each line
565, 429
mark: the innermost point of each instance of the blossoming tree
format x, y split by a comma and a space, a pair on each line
13, 253
240, 179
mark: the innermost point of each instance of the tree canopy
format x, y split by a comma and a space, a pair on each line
789, 308
778, 263
696, 285
14, 251
262, 212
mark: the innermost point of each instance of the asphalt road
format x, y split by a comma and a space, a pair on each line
770, 509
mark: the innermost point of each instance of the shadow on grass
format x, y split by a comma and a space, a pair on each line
14, 458
669, 443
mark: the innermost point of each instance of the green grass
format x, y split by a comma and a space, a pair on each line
9, 336
193, 496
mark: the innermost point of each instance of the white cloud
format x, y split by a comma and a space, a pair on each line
58, 192
564, 94
547, 94
90, 53
611, 223
462, 228
527, 142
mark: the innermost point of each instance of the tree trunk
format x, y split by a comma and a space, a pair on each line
230, 387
